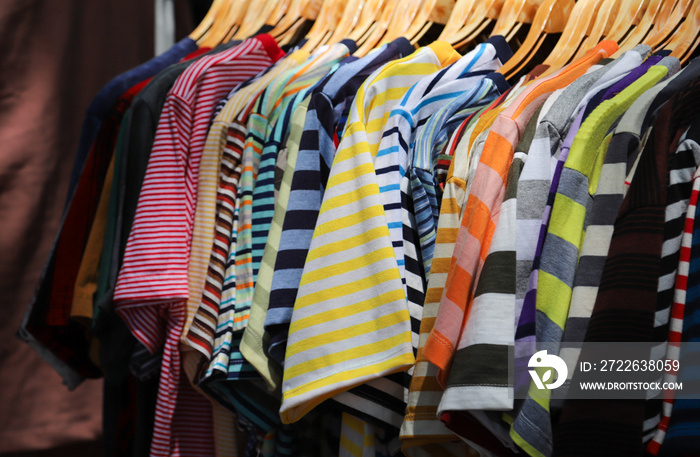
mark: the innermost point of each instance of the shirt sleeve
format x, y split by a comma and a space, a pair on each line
156, 256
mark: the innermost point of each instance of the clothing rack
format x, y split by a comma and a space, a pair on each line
349, 228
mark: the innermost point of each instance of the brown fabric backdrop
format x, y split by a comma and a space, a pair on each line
54, 57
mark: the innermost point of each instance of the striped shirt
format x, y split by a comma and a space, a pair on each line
498, 392
153, 278
500, 302
204, 323
430, 140
267, 130
627, 297
223, 420
420, 207
139, 127
678, 195
466, 83
561, 248
229, 180
643, 116
228, 362
673, 351
677, 199
622, 152
681, 437
256, 340
624, 70
262, 142
151, 273
421, 426
418, 184
216, 192
543, 173
406, 123
342, 334
483, 205
393, 164
226, 358
407, 119
488, 355
538, 221
203, 233
330, 103
202, 334
264, 193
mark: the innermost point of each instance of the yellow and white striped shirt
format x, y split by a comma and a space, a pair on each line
342, 333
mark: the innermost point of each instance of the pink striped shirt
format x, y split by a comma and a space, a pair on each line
152, 286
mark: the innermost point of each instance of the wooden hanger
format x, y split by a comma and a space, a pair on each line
686, 39
641, 30
255, 18
442, 11
351, 16
431, 12
380, 24
242, 7
667, 21
228, 20
484, 14
311, 8
300, 12
461, 12
208, 20
402, 20
514, 13
293, 15
628, 17
607, 11
551, 17
278, 12
213, 35
575, 32
371, 13
327, 20
393, 22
